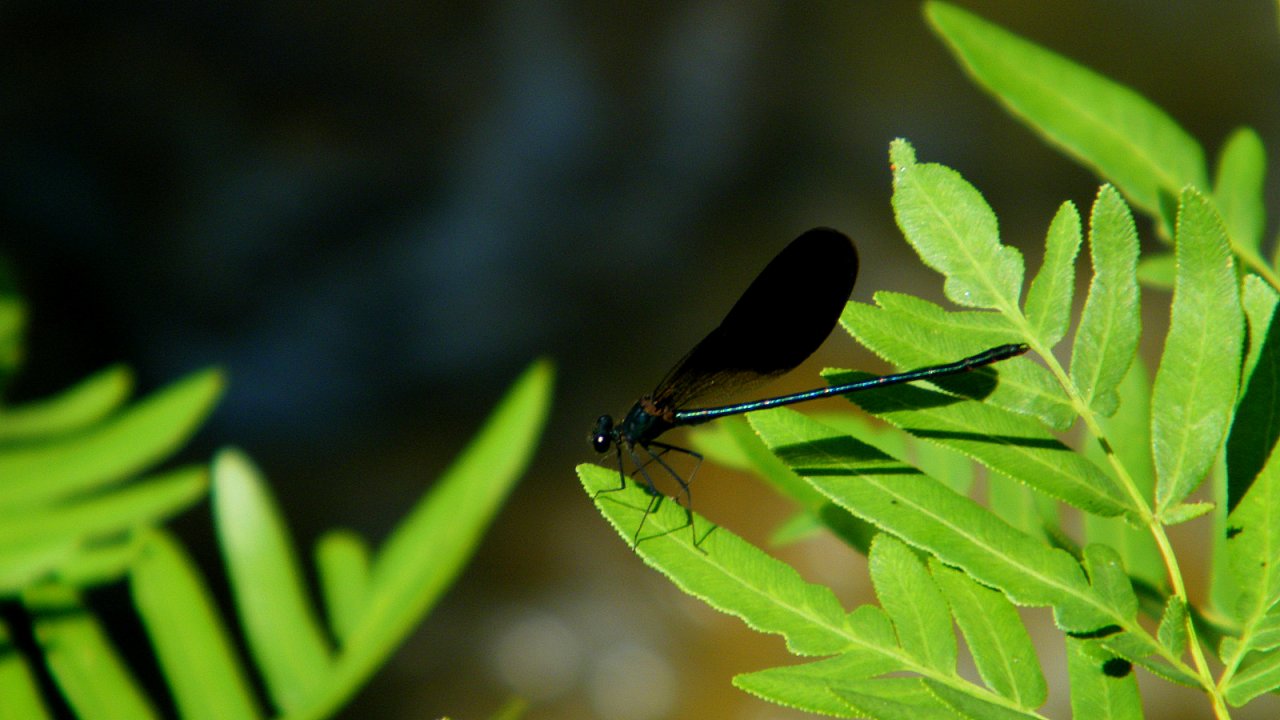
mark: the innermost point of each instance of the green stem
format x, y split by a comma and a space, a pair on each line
1153, 525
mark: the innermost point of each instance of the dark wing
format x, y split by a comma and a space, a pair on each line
782, 318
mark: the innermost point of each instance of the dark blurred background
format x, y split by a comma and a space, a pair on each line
375, 215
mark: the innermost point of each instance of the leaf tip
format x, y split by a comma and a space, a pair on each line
232, 460
939, 13
901, 155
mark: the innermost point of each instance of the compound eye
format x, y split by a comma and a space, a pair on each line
602, 436
601, 443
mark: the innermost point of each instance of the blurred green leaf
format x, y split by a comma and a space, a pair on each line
284, 637
90, 673
302, 676
514, 709
770, 468
402, 581
1238, 191
1110, 128
1156, 271
714, 443
798, 527
142, 503
110, 451
101, 561
88, 402
18, 684
342, 559
450, 520
191, 643
13, 318
946, 465
731, 441
1016, 504
23, 565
